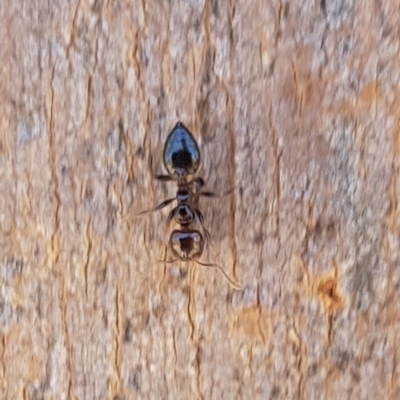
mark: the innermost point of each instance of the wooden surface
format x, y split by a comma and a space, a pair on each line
295, 105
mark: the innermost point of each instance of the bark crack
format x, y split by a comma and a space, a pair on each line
117, 337
63, 308
88, 253
73, 26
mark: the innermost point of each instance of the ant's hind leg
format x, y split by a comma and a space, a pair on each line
201, 219
197, 181
171, 215
164, 204
159, 207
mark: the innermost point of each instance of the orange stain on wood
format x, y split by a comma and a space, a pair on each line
368, 95
326, 289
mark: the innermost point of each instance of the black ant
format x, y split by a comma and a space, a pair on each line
181, 158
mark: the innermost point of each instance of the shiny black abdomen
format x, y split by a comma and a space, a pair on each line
181, 153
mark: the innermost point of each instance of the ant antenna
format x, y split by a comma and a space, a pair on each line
235, 285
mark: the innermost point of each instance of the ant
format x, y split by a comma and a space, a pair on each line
181, 158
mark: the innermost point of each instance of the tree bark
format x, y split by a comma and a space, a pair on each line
295, 105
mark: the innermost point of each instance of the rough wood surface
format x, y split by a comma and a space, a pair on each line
295, 104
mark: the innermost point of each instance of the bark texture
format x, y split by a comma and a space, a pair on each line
294, 104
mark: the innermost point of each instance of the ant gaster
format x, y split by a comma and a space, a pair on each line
181, 158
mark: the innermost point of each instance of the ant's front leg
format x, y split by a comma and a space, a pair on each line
199, 182
208, 194
164, 178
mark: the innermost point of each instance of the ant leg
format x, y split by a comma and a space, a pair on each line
197, 181
170, 215
208, 194
213, 195
150, 164
195, 185
201, 219
164, 204
164, 178
200, 182
159, 207
235, 285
